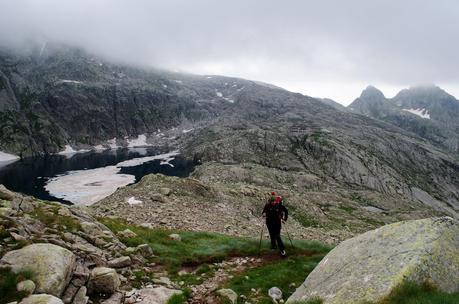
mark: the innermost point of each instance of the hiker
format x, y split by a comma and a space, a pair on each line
275, 213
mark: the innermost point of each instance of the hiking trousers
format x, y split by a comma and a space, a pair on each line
274, 230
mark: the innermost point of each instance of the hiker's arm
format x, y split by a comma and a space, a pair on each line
285, 213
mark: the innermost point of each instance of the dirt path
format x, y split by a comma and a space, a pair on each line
204, 292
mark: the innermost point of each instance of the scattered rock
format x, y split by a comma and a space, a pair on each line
41, 299
368, 267
157, 295
145, 250
275, 294
127, 234
26, 286
80, 297
120, 262
52, 266
104, 280
175, 237
228, 294
165, 191
17, 237
116, 298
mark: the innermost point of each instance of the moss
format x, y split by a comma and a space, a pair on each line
412, 293
8, 282
180, 298
51, 218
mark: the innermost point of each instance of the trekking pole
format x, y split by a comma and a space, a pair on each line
288, 234
261, 237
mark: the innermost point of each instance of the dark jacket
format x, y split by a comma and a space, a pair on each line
275, 213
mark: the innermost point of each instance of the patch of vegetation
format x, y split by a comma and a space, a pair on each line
180, 298
198, 248
281, 274
304, 219
52, 218
348, 209
412, 293
8, 282
312, 301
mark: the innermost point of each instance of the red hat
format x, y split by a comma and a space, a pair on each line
273, 193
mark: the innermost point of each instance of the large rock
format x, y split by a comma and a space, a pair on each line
104, 280
52, 266
6, 194
369, 266
41, 299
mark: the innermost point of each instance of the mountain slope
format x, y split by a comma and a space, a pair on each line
65, 96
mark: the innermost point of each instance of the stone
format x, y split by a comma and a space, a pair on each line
157, 295
145, 250
127, 233
165, 191
51, 265
104, 280
69, 293
6, 194
116, 298
368, 267
41, 299
175, 237
17, 237
275, 294
228, 294
120, 262
27, 286
81, 297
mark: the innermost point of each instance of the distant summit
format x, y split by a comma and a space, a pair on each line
427, 110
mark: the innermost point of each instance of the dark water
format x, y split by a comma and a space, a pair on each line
30, 175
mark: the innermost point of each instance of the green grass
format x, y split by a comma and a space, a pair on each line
197, 248
51, 218
8, 281
280, 274
412, 293
180, 298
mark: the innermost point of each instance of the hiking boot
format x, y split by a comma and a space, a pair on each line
283, 253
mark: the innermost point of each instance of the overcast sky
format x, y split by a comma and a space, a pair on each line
320, 48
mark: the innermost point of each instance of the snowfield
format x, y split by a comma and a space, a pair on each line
423, 113
141, 141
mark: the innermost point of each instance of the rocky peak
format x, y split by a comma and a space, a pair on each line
372, 93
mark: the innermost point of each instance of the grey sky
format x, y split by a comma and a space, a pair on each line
319, 48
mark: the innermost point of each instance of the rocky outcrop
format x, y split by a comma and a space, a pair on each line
51, 265
368, 267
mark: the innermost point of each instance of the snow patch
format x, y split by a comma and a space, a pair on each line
187, 131
228, 99
133, 201
138, 161
141, 141
6, 157
69, 151
99, 148
219, 94
178, 81
112, 143
423, 113
69, 81
165, 86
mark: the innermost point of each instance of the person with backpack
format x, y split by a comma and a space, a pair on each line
275, 213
